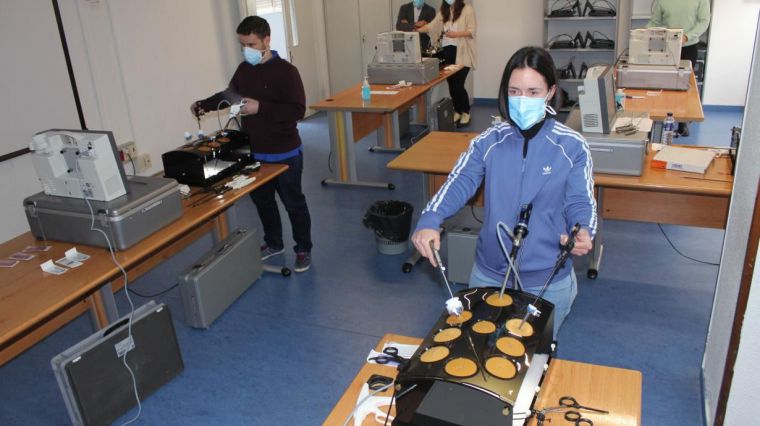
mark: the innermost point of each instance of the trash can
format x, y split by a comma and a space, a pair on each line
391, 220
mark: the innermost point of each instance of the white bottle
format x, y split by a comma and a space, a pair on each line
366, 90
668, 129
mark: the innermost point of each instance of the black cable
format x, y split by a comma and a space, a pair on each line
148, 296
329, 162
132, 160
472, 210
388, 414
679, 251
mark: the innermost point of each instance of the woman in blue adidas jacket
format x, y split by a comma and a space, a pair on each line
531, 158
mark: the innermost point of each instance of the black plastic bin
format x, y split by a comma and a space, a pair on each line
391, 220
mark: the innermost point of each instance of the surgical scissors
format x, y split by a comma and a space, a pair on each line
570, 402
390, 354
577, 419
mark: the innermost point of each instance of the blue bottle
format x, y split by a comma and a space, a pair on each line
366, 91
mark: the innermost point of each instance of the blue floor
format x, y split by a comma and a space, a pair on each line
287, 349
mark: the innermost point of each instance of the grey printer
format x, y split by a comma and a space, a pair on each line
613, 153
149, 204
644, 76
397, 58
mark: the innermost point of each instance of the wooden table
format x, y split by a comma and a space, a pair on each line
351, 119
34, 304
657, 196
614, 389
685, 105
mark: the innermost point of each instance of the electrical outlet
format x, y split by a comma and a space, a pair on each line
127, 150
143, 163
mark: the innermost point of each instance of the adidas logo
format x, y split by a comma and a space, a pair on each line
547, 170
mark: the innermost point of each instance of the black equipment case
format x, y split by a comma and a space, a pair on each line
97, 387
218, 278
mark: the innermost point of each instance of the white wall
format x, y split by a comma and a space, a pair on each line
36, 96
504, 26
745, 385
732, 35
734, 244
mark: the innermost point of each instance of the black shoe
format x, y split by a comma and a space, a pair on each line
683, 130
579, 41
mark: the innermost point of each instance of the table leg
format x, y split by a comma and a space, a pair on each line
596, 252
388, 138
342, 147
103, 307
221, 227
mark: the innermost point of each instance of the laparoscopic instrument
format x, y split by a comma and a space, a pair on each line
453, 305
564, 253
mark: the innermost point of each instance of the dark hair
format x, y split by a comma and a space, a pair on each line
254, 25
446, 10
536, 58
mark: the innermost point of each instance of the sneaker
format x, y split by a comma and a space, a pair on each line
303, 261
457, 117
267, 252
465, 120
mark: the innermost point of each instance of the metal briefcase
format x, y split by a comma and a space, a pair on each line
150, 204
218, 278
96, 386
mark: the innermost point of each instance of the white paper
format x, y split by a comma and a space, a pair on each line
642, 124
52, 268
384, 92
74, 255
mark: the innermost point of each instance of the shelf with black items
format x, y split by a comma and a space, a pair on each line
579, 34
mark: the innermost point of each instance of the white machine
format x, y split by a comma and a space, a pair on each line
596, 98
655, 46
398, 47
78, 164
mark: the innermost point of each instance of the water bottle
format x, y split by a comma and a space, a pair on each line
366, 90
620, 99
668, 129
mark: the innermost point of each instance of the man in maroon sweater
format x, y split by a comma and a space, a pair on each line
274, 102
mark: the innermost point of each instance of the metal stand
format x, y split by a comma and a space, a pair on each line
342, 146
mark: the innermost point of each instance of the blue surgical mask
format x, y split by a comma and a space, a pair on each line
252, 56
526, 111
418, 3
450, 2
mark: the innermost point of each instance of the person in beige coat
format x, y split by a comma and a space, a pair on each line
454, 26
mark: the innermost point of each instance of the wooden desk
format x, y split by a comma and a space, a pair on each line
34, 304
614, 389
684, 105
657, 196
351, 119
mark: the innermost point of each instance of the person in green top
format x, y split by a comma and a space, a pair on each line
693, 16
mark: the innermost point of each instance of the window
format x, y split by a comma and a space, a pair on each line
263, 7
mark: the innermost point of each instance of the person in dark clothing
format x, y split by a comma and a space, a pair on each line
274, 102
415, 15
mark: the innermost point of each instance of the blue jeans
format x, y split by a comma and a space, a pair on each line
288, 187
561, 293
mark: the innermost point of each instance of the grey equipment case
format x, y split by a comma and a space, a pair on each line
96, 386
416, 73
219, 277
614, 153
150, 204
667, 77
